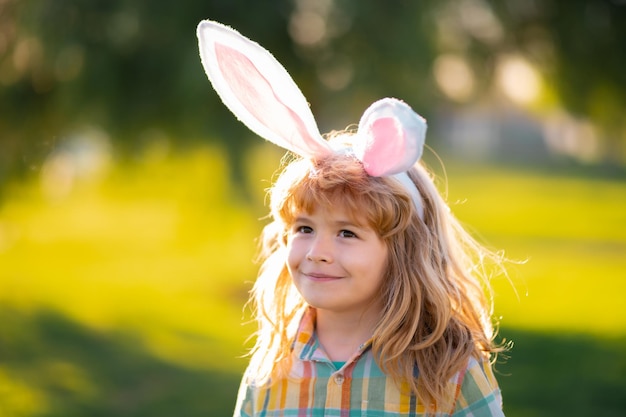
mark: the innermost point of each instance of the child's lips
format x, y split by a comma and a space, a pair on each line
318, 276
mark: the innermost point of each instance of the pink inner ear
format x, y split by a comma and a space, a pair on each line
257, 95
386, 147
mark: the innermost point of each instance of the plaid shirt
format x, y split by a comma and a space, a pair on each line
316, 388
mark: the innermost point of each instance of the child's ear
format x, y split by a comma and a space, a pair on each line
258, 90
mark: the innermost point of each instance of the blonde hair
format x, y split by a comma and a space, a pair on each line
436, 312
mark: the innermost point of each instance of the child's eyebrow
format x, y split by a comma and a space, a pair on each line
352, 224
300, 219
337, 223
347, 223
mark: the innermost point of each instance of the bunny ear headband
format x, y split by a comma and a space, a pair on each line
264, 97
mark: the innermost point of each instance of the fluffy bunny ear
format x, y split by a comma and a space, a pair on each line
390, 137
258, 90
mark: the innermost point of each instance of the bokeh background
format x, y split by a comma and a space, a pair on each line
130, 198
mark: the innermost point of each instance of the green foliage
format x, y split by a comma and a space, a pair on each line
123, 295
568, 38
130, 68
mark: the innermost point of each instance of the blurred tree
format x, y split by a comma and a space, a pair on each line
128, 68
579, 46
131, 68
362, 51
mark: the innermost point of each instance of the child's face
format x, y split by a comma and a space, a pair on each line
336, 264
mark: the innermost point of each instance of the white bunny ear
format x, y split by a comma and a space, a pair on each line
390, 137
258, 90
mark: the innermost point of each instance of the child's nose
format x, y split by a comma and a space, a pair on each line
320, 250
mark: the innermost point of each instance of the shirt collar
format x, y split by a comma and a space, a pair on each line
306, 347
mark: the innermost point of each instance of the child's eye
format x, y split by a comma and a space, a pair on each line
347, 233
303, 229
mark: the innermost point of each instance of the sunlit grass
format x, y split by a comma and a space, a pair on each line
571, 232
18, 398
168, 244
163, 249
152, 261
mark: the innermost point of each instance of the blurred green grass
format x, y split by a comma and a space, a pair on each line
124, 296
570, 230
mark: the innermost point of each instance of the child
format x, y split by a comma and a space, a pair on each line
370, 298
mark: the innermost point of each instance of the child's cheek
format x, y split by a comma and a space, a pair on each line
290, 249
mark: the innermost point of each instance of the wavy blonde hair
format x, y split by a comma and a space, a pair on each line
437, 302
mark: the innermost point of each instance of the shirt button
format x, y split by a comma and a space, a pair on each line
339, 379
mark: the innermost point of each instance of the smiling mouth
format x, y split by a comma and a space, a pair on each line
320, 277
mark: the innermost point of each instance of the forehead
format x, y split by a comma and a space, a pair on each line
339, 211
339, 185
336, 212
